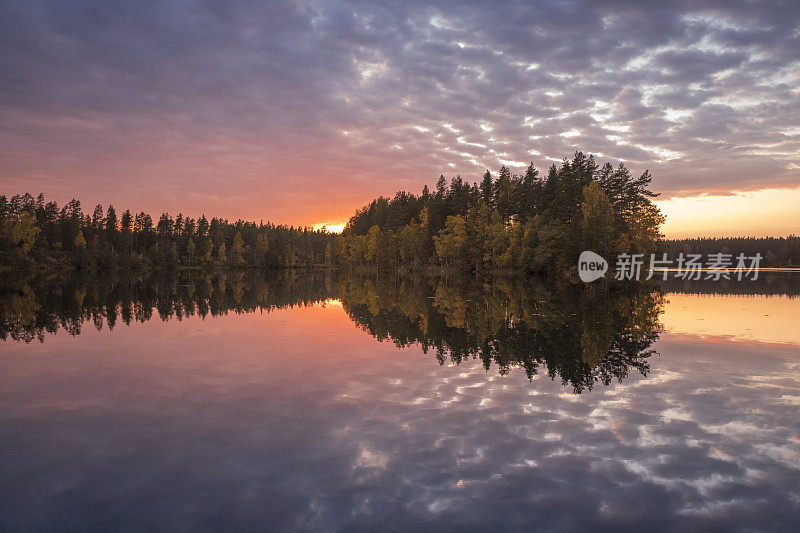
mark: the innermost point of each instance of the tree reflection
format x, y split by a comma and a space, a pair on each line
576, 333
30, 309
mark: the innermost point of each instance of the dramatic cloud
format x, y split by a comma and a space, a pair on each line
302, 111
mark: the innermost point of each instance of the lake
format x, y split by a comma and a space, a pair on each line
323, 401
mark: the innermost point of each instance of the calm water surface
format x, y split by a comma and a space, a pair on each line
314, 403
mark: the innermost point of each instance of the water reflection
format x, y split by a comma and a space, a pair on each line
578, 334
30, 309
281, 413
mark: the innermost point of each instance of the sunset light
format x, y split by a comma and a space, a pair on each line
752, 214
330, 228
336, 265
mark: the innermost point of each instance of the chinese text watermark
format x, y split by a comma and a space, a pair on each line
715, 267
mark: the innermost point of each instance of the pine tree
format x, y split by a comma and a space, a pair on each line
487, 189
529, 192
504, 194
111, 220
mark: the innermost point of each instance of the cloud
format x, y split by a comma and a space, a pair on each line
295, 110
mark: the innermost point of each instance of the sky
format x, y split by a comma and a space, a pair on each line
300, 112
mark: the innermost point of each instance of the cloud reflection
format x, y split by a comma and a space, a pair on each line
247, 421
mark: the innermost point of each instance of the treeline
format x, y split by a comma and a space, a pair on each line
523, 223
775, 251
531, 222
34, 232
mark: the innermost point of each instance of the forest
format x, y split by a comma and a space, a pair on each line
529, 223
509, 222
38, 234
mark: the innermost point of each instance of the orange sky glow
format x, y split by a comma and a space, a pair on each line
768, 212
299, 114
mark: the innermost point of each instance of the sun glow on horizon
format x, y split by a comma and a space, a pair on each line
330, 228
766, 212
